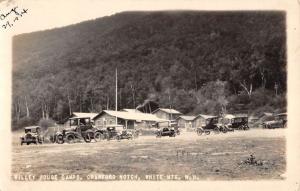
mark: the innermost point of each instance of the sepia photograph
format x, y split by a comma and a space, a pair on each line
149, 95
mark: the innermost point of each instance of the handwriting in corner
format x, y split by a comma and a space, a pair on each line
10, 17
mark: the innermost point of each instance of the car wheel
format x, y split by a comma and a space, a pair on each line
70, 138
60, 139
118, 137
27, 143
98, 136
216, 130
207, 132
88, 137
21, 143
199, 132
52, 139
158, 135
224, 130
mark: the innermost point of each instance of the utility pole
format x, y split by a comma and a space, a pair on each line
170, 104
116, 94
276, 88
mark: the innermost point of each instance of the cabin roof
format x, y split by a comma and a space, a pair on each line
132, 110
230, 116
132, 116
187, 117
166, 110
31, 127
206, 116
83, 115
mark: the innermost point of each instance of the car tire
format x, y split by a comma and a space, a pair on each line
98, 136
199, 132
60, 139
216, 130
88, 137
118, 137
224, 130
70, 138
158, 135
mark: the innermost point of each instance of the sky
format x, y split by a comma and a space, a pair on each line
43, 14
50, 14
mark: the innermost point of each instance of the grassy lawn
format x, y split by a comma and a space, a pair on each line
188, 156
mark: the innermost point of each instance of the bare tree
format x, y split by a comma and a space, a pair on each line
26, 105
133, 94
248, 90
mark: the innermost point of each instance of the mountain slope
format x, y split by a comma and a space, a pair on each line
157, 54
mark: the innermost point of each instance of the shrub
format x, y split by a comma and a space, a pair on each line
45, 123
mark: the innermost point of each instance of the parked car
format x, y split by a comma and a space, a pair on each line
135, 132
239, 122
112, 131
211, 124
173, 124
80, 128
124, 135
32, 135
166, 131
279, 121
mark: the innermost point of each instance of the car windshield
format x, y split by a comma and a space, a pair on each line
240, 119
33, 130
27, 130
212, 121
73, 122
110, 128
83, 121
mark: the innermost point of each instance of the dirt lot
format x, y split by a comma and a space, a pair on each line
185, 157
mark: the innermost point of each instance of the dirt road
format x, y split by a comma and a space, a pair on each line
185, 157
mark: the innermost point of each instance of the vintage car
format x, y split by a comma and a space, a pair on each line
32, 135
239, 122
279, 121
166, 131
210, 123
173, 124
124, 135
80, 128
113, 131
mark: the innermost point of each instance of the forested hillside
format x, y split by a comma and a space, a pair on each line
197, 62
